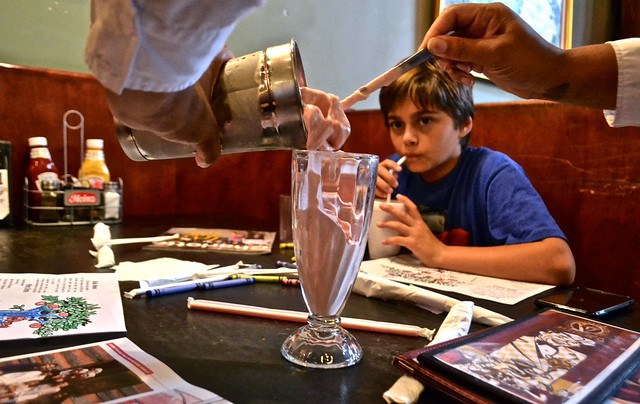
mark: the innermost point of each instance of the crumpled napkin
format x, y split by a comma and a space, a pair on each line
407, 390
158, 271
104, 253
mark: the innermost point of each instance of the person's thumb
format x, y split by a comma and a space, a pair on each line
207, 152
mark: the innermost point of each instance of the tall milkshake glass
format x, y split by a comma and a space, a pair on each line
332, 197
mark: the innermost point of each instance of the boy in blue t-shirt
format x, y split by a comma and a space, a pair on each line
467, 209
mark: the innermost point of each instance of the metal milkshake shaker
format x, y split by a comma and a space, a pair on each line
256, 101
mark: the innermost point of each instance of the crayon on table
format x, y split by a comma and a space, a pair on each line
141, 291
227, 283
291, 282
261, 278
286, 264
169, 290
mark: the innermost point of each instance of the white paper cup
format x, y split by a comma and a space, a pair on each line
377, 234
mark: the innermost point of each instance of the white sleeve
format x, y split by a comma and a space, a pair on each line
158, 45
627, 112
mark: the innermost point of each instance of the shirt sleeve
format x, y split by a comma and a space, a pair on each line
158, 45
627, 111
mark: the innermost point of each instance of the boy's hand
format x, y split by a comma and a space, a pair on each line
387, 181
414, 232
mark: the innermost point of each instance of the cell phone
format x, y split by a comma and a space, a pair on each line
587, 301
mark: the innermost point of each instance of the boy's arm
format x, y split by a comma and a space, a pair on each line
547, 261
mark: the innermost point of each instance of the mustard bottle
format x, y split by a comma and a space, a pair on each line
94, 169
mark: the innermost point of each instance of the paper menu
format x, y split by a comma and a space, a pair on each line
41, 305
408, 269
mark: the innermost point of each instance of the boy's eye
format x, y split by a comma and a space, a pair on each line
425, 121
395, 125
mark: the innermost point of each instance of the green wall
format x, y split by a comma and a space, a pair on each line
44, 33
343, 43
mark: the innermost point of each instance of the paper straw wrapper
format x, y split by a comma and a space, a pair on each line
102, 242
98, 242
382, 288
104, 257
104, 253
407, 390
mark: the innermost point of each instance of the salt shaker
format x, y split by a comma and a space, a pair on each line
111, 196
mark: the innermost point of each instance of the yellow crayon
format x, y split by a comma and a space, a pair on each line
261, 278
286, 245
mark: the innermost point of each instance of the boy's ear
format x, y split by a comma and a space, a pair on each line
466, 127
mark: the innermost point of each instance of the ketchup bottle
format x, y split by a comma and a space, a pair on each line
41, 167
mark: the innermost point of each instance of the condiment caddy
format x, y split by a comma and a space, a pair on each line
54, 200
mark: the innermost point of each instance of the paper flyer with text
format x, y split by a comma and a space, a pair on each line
408, 269
41, 305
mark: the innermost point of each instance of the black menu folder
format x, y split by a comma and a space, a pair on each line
547, 357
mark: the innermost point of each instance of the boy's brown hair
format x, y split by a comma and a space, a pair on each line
429, 87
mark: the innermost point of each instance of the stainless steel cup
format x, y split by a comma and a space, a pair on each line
256, 101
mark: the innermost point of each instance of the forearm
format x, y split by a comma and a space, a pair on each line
585, 76
548, 261
493, 40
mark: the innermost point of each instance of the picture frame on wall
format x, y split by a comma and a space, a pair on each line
552, 19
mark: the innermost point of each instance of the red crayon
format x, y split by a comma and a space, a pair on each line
291, 282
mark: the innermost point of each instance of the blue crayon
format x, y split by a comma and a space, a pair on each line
226, 284
198, 285
171, 290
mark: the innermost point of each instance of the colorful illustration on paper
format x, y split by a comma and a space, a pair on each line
217, 240
50, 314
34, 305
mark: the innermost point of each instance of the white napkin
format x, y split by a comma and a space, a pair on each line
103, 253
158, 271
407, 390
382, 288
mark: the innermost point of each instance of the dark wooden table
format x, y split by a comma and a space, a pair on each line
236, 357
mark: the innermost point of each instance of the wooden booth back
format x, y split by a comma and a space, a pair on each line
587, 173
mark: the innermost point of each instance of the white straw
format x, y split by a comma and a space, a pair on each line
399, 162
386, 78
97, 243
301, 317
